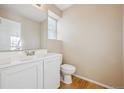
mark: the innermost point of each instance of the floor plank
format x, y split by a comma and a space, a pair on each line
80, 84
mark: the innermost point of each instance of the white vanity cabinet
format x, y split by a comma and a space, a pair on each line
24, 76
39, 73
52, 72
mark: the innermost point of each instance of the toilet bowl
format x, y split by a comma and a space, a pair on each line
67, 70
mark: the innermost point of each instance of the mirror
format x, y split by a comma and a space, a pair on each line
22, 26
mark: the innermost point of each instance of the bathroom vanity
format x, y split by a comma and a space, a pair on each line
26, 31
30, 72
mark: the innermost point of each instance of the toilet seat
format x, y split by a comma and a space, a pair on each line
67, 71
67, 67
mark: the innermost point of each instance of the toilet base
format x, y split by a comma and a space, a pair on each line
67, 79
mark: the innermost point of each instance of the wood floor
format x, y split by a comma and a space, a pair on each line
80, 84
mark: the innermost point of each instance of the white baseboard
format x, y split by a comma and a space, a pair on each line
93, 81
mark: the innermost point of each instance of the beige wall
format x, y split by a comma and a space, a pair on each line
31, 30
54, 46
123, 45
92, 41
44, 30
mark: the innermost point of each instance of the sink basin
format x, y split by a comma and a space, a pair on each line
38, 54
27, 58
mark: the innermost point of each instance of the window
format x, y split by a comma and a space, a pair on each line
52, 28
15, 42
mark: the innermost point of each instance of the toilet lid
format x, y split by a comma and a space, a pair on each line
67, 67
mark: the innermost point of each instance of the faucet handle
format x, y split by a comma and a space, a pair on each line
29, 52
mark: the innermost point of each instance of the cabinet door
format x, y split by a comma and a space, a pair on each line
26, 76
52, 72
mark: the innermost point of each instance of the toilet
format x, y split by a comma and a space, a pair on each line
67, 71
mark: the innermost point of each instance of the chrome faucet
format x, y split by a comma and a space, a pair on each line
29, 52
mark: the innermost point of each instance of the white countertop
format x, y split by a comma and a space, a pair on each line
11, 61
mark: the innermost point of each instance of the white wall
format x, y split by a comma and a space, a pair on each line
31, 30
92, 41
